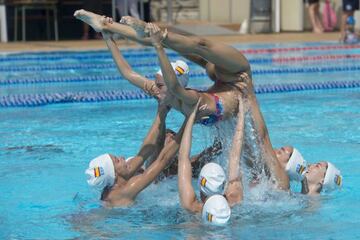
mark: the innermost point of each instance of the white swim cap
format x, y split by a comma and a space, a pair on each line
143, 167
212, 179
182, 72
296, 166
216, 210
101, 172
333, 178
129, 158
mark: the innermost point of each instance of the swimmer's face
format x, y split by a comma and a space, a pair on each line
283, 154
120, 165
160, 84
315, 175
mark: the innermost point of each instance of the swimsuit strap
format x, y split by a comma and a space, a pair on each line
219, 106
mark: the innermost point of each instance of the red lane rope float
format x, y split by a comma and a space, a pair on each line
297, 49
316, 58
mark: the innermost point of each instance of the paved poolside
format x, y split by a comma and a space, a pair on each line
99, 44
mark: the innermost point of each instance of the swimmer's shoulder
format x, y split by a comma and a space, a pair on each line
117, 200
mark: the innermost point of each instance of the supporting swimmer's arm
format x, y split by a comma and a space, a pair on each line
237, 144
126, 70
271, 161
152, 142
188, 96
136, 184
186, 191
234, 191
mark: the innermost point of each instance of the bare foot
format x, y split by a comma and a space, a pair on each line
318, 30
137, 24
96, 21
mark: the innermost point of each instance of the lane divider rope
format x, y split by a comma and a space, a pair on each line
79, 66
303, 70
33, 100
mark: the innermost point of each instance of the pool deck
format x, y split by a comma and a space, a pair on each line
99, 44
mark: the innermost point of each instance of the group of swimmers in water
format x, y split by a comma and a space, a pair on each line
167, 153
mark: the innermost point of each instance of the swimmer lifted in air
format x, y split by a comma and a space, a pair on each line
221, 99
224, 64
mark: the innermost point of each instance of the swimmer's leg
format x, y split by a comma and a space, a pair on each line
92, 19
100, 24
223, 56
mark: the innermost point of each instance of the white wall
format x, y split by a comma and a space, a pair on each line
224, 11
294, 14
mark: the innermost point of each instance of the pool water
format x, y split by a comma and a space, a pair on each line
44, 151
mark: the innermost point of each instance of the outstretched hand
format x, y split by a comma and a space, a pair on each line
155, 33
244, 84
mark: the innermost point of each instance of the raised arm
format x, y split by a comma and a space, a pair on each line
278, 173
106, 24
136, 184
125, 69
234, 191
152, 142
188, 96
186, 191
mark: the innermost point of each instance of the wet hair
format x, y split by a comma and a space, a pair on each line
170, 131
305, 187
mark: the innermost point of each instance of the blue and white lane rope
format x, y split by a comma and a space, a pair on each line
33, 100
335, 59
303, 70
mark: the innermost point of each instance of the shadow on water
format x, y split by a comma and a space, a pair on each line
46, 148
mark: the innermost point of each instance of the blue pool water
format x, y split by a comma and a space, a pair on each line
45, 149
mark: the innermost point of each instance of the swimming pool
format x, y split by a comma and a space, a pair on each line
83, 108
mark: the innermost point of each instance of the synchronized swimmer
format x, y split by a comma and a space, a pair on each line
231, 96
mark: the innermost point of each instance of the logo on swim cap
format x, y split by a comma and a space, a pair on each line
296, 166
101, 172
212, 179
338, 180
300, 168
203, 182
216, 210
98, 171
333, 178
180, 70
209, 217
